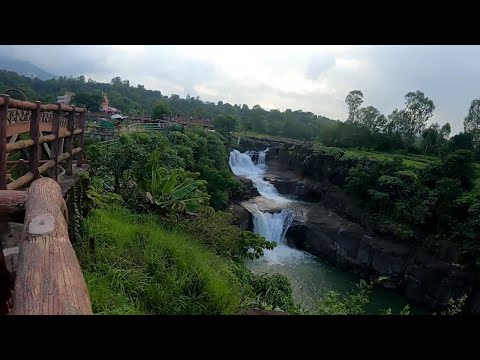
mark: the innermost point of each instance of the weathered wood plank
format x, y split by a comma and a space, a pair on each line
3, 141
49, 278
12, 205
35, 150
70, 142
55, 151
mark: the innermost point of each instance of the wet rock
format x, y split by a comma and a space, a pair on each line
241, 217
248, 190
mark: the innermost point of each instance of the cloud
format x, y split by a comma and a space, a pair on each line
318, 65
311, 78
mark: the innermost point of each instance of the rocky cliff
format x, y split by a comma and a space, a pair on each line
340, 232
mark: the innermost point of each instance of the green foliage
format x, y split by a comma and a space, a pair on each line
225, 123
99, 197
214, 229
164, 191
328, 151
197, 155
354, 99
455, 166
404, 311
139, 267
471, 123
455, 307
351, 304
160, 109
271, 291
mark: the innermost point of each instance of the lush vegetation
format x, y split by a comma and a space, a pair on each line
428, 200
404, 131
156, 241
140, 101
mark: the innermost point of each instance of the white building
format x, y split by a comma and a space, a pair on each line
65, 99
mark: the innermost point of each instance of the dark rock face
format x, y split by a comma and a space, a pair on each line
354, 244
421, 277
249, 191
241, 217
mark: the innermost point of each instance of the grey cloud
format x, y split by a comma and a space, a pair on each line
446, 74
318, 65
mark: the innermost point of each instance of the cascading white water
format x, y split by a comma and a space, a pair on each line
272, 226
242, 165
261, 159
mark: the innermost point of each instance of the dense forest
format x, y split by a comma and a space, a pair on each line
138, 100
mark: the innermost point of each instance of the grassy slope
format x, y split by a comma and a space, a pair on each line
141, 268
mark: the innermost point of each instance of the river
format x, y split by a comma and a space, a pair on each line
311, 278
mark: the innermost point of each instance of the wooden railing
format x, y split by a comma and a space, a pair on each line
50, 113
49, 279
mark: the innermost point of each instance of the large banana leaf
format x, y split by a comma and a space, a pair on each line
170, 184
158, 183
191, 204
184, 189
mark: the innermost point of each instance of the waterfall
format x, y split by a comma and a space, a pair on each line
242, 165
261, 159
272, 226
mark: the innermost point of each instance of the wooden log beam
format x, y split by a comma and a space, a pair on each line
70, 142
26, 179
81, 141
55, 149
12, 205
28, 105
49, 278
35, 150
3, 141
23, 144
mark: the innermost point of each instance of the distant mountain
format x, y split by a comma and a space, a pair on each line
25, 68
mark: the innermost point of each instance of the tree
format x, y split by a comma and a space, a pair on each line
354, 99
90, 100
445, 131
368, 117
411, 121
471, 124
225, 123
161, 108
418, 109
116, 81
431, 138
460, 141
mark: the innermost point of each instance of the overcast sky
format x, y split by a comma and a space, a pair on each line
310, 78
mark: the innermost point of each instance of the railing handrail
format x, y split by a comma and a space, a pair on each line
33, 144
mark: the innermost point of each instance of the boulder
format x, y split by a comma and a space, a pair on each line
241, 217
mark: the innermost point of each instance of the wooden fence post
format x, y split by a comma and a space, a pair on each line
70, 139
81, 154
54, 151
3, 142
34, 135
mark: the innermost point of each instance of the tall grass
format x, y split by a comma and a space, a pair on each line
138, 267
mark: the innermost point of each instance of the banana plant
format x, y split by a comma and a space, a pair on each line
166, 193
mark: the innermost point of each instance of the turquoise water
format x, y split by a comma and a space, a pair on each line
311, 279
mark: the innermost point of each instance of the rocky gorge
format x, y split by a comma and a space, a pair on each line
330, 225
